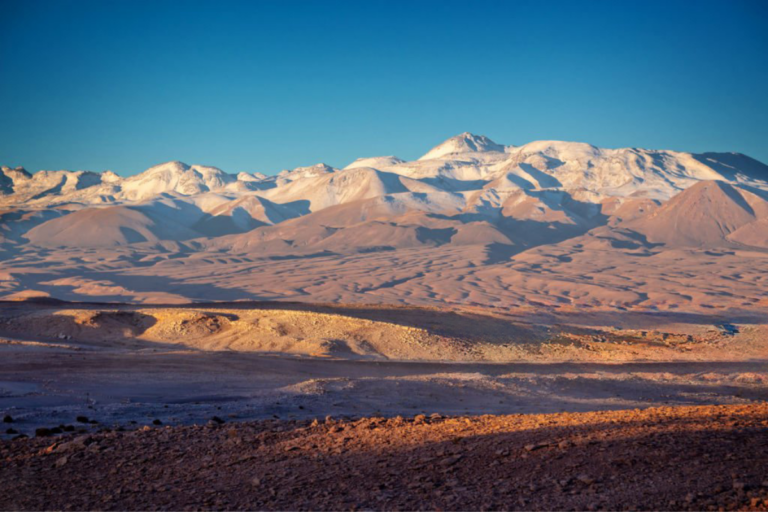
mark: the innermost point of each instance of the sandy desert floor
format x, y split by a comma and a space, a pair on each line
590, 272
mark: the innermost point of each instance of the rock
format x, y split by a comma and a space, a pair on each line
50, 449
20, 436
68, 428
157, 422
78, 443
56, 430
216, 420
450, 461
419, 419
11, 431
534, 447
61, 462
397, 421
43, 432
739, 486
585, 479
82, 419
7, 419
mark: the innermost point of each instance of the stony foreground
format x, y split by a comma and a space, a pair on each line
695, 458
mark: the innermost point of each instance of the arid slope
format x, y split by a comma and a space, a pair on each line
688, 458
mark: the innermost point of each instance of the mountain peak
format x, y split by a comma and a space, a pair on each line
173, 165
306, 172
251, 177
463, 143
376, 162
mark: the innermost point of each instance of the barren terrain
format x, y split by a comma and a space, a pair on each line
682, 458
183, 364
145, 312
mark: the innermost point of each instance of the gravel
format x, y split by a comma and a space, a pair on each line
673, 458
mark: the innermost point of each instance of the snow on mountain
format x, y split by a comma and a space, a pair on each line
312, 171
481, 190
10, 178
256, 176
18, 186
332, 188
175, 177
382, 163
244, 214
614, 172
463, 143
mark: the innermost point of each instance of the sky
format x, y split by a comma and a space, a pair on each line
264, 86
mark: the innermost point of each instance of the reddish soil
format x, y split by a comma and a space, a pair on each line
691, 458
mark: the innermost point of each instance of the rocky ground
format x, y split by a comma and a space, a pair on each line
690, 458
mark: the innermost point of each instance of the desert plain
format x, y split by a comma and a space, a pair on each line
548, 326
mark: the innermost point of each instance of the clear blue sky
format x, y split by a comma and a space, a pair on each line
263, 86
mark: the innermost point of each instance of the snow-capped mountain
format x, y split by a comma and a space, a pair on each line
467, 189
463, 143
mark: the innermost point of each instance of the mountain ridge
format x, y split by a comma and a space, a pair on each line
539, 192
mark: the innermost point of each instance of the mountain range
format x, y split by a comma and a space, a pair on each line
493, 204
466, 190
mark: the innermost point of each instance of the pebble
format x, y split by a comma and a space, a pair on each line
450, 461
